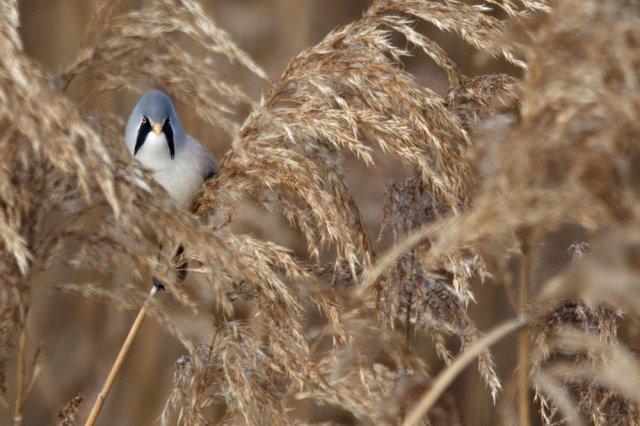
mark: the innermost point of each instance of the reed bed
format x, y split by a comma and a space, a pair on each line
524, 182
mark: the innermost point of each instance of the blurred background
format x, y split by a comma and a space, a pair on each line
79, 337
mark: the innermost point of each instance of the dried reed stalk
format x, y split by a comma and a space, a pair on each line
495, 156
447, 376
122, 354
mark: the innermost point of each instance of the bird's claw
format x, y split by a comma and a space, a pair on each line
157, 284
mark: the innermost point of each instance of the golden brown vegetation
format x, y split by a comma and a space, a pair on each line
525, 180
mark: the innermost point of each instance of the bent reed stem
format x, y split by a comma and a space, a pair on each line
447, 376
102, 396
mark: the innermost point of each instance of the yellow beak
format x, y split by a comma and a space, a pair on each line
157, 128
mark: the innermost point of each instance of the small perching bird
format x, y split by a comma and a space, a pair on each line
177, 161
180, 165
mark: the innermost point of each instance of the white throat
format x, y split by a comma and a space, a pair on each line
154, 153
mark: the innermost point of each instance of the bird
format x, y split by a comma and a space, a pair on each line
178, 162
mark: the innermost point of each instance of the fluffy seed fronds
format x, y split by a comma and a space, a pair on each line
68, 412
501, 173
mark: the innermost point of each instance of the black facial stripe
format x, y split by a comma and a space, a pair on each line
168, 132
143, 131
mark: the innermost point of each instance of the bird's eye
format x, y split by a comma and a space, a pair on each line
144, 120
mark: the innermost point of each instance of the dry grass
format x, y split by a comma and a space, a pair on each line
501, 169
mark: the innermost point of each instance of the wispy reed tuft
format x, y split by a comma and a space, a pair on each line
503, 172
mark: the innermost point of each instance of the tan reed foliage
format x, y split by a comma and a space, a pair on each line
68, 412
497, 165
567, 158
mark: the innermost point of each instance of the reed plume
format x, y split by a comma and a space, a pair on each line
501, 172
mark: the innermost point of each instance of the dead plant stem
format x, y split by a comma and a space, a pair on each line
444, 379
20, 373
102, 396
523, 339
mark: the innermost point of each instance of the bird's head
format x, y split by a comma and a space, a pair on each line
153, 121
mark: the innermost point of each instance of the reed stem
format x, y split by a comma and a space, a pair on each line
102, 396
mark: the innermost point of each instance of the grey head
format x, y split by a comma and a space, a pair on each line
155, 113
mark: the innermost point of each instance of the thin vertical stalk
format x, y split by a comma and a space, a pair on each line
21, 369
523, 338
407, 320
102, 396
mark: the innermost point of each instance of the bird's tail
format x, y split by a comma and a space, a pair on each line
181, 264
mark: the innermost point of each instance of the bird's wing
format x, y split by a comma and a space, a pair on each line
208, 165
212, 167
